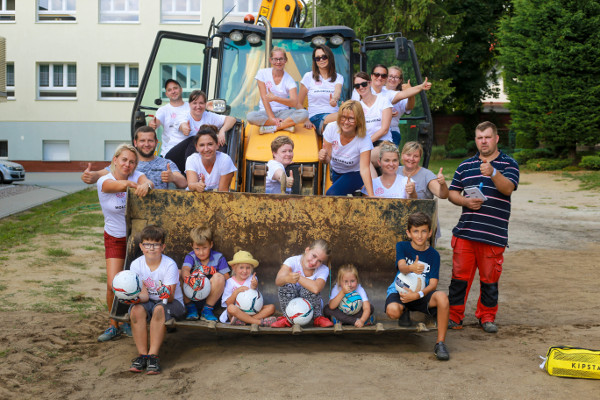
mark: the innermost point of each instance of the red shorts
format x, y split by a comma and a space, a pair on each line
114, 247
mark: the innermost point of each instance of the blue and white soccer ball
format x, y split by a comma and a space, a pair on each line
299, 311
249, 301
351, 303
412, 281
126, 285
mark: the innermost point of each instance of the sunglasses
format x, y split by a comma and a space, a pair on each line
319, 58
362, 84
377, 75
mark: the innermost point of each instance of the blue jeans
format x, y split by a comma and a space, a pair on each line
344, 184
317, 121
396, 138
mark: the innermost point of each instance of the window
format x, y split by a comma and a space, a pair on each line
241, 7
110, 146
55, 150
118, 81
10, 80
7, 10
3, 148
189, 77
180, 11
56, 11
57, 81
119, 11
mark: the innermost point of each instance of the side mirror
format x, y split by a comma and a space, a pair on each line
158, 102
401, 45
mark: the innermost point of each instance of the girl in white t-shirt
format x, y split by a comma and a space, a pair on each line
198, 116
242, 279
323, 87
347, 283
390, 184
112, 194
277, 97
283, 154
304, 276
208, 169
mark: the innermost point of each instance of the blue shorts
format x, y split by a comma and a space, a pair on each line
421, 305
317, 121
172, 310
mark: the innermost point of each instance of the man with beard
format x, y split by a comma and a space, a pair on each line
159, 170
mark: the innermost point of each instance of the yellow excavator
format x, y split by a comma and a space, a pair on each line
223, 64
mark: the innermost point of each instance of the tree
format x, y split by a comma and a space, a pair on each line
549, 50
427, 23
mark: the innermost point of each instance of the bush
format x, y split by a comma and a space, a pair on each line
471, 146
457, 153
457, 138
522, 156
590, 162
438, 153
548, 164
525, 141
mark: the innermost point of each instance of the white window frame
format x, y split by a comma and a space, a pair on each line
10, 88
60, 153
52, 15
64, 88
113, 88
117, 13
174, 16
5, 13
185, 85
236, 12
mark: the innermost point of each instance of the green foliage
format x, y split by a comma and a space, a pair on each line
522, 156
457, 153
58, 252
457, 138
588, 180
590, 162
549, 50
471, 146
525, 140
547, 164
437, 153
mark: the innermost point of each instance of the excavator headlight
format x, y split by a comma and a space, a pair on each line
336, 40
253, 38
318, 41
236, 36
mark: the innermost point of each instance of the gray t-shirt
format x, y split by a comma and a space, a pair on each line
421, 179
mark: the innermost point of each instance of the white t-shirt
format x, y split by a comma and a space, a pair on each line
114, 205
208, 118
231, 285
322, 272
273, 186
171, 117
396, 191
319, 93
359, 289
373, 116
166, 274
223, 166
287, 83
346, 158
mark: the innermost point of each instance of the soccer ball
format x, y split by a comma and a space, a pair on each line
299, 311
201, 292
411, 281
351, 303
126, 285
249, 301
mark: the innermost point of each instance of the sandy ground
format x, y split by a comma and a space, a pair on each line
548, 296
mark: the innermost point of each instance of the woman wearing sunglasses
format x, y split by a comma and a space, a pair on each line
277, 97
347, 150
323, 87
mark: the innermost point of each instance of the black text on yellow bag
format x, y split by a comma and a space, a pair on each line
572, 362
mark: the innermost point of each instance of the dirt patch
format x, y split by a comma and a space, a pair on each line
545, 300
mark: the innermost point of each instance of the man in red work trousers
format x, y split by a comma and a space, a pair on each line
481, 234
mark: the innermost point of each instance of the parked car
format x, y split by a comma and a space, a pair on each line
11, 171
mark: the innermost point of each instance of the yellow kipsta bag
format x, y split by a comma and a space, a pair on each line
572, 362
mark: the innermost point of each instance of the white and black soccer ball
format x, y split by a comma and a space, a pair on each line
299, 311
126, 285
351, 303
201, 292
249, 301
412, 281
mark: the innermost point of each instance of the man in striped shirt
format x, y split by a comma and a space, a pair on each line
481, 234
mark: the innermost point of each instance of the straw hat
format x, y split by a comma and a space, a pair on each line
243, 257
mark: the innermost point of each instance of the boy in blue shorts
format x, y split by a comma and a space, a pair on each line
203, 259
417, 256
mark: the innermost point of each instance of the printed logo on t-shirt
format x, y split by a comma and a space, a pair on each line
121, 195
335, 144
269, 85
378, 191
201, 176
318, 83
151, 286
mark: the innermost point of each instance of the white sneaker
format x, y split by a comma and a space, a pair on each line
267, 129
290, 129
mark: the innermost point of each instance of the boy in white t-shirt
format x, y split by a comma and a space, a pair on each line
160, 299
170, 117
283, 154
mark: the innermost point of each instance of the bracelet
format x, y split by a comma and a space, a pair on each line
494, 173
421, 294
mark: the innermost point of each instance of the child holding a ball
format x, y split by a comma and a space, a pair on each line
244, 279
418, 257
206, 261
348, 302
160, 299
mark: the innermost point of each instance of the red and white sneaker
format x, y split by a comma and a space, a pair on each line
281, 322
322, 322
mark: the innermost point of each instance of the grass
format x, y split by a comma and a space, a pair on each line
449, 164
589, 180
53, 252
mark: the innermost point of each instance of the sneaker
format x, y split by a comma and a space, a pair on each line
267, 129
404, 319
191, 312
371, 320
269, 321
335, 321
282, 322
207, 315
139, 363
238, 322
109, 334
322, 322
454, 325
125, 328
153, 365
488, 327
291, 129
441, 351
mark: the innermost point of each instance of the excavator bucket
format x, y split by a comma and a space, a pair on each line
361, 231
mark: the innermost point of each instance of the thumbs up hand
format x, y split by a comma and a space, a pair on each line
290, 180
417, 267
486, 168
167, 176
332, 102
88, 176
440, 177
